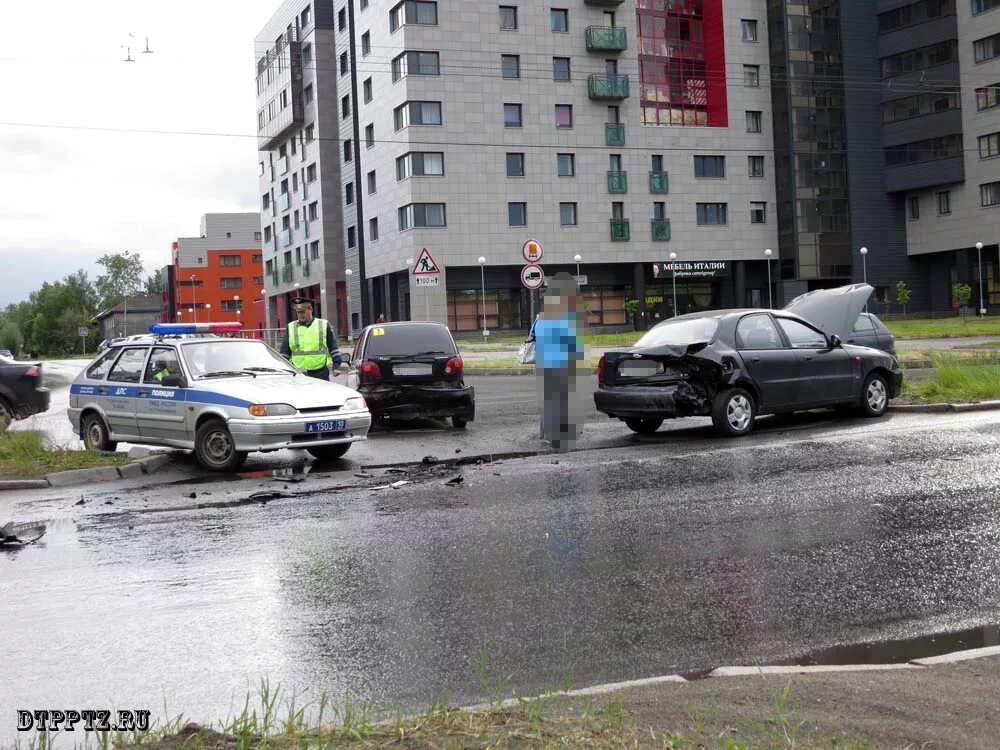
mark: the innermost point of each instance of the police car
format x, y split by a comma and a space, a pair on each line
221, 397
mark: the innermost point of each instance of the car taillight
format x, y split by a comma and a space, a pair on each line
600, 371
454, 366
32, 372
370, 370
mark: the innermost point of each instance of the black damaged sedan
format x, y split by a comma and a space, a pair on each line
733, 365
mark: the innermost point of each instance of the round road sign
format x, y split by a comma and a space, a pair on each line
532, 251
532, 276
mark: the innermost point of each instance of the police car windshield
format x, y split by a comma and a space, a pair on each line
233, 356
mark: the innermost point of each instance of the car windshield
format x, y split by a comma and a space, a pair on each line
409, 340
231, 356
680, 333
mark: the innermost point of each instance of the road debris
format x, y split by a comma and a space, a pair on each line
20, 535
455, 481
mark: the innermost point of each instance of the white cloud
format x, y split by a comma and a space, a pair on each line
71, 195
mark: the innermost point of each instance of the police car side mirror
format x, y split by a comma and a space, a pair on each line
174, 381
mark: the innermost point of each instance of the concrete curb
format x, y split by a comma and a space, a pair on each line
133, 470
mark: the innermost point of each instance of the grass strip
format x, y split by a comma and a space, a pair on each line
956, 381
24, 454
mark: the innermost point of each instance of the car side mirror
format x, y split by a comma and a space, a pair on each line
174, 381
835, 341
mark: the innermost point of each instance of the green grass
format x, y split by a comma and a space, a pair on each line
943, 328
955, 381
24, 454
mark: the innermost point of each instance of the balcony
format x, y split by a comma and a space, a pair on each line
286, 237
305, 267
618, 182
305, 230
287, 274
274, 278
607, 87
614, 133
661, 230
659, 183
620, 230
282, 165
274, 243
603, 3
606, 39
285, 201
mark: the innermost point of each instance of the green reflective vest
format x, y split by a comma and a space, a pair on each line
308, 344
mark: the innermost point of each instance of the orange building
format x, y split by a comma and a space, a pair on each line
219, 276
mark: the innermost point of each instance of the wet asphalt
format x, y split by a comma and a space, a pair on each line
629, 558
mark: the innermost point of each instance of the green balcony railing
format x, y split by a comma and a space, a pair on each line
620, 230
614, 133
287, 273
661, 230
659, 182
286, 237
603, 86
606, 38
604, 3
617, 182
286, 201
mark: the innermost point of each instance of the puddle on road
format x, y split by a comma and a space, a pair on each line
900, 651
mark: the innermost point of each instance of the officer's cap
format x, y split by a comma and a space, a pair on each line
301, 303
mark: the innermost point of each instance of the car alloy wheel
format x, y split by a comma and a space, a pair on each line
876, 395
739, 412
733, 412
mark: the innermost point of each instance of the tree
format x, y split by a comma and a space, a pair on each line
962, 293
902, 295
11, 337
123, 277
154, 284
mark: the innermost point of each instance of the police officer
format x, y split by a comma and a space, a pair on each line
310, 343
167, 367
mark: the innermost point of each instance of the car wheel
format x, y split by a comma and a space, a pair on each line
215, 448
6, 415
644, 426
329, 452
95, 434
875, 395
459, 423
733, 412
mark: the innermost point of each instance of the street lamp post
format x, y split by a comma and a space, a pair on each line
767, 254
673, 276
208, 313
979, 257
577, 259
236, 299
194, 298
348, 273
864, 269
482, 278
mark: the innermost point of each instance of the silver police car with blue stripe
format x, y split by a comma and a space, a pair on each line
221, 397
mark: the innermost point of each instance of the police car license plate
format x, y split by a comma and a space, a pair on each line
334, 425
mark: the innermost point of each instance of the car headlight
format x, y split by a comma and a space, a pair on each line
355, 402
272, 410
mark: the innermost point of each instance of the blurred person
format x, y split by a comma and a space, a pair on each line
557, 351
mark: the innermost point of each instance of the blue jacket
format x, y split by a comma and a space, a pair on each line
556, 343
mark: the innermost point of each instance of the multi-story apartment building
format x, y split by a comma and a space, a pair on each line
219, 276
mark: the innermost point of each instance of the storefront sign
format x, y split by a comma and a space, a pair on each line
689, 268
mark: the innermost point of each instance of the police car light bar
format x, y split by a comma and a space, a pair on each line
167, 329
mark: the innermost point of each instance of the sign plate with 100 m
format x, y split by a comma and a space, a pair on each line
427, 280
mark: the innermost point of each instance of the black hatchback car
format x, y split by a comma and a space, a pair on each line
732, 365
21, 391
411, 370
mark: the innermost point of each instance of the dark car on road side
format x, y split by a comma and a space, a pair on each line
21, 391
411, 370
733, 365
823, 308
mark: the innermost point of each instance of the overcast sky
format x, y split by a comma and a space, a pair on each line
70, 195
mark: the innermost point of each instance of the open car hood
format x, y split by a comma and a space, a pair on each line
833, 311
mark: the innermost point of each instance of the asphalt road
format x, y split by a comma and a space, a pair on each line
631, 558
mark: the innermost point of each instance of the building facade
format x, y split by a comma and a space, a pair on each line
219, 275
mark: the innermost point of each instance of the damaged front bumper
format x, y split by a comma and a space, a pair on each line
417, 401
644, 402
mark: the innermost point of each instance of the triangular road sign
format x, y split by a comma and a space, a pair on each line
425, 265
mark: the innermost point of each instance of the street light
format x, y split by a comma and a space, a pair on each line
208, 313
673, 275
482, 278
767, 254
347, 284
194, 297
979, 256
236, 299
864, 269
577, 259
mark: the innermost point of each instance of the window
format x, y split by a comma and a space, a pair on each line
366, 44
256, 259
310, 133
417, 113
128, 368
348, 150
981, 6
914, 13
989, 194
421, 215
230, 260
258, 280
267, 238
934, 148
920, 58
372, 185
510, 66
710, 166
512, 115
231, 283
753, 122
515, 165
988, 97
712, 214
566, 165
370, 136
307, 54
364, 4
306, 16
352, 237
751, 76
567, 214
559, 20
314, 250
920, 104
755, 166
417, 12
256, 236
802, 336
517, 214
232, 305
989, 146
345, 105
367, 87
749, 29
757, 332
420, 164
758, 212
508, 18
342, 19
560, 68
659, 211
349, 193
416, 64
373, 230
914, 207
265, 201
564, 115
311, 173
307, 94
944, 203
343, 63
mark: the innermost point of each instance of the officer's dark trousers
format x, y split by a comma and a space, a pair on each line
322, 373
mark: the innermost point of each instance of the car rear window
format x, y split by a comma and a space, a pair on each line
680, 333
408, 340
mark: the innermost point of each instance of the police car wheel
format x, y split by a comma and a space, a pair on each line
95, 434
329, 452
215, 448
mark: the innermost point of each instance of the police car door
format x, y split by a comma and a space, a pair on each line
159, 407
119, 393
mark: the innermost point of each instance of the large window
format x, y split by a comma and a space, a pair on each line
914, 13
986, 49
517, 214
567, 214
420, 164
421, 215
751, 76
229, 260
412, 63
920, 59
560, 68
989, 194
710, 214
515, 165
566, 165
921, 104
755, 166
413, 12
709, 166
930, 150
510, 66
748, 29
981, 6
508, 17
559, 20
754, 121
988, 97
512, 115
758, 212
417, 113
564, 115
989, 145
